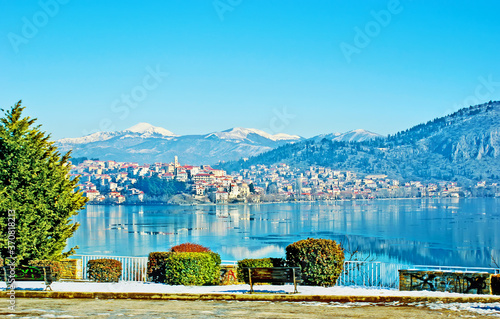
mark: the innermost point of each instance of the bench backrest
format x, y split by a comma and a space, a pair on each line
274, 274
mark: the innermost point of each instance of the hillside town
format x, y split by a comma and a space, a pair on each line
110, 182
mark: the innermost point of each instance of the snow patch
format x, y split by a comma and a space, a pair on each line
95, 137
358, 135
132, 286
240, 133
146, 130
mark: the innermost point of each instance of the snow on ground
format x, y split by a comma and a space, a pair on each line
130, 286
492, 309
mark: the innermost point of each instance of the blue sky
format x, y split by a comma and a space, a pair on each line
297, 67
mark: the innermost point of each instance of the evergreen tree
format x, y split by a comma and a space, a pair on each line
157, 187
35, 183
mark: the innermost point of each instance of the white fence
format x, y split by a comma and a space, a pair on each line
355, 273
370, 274
386, 275
133, 268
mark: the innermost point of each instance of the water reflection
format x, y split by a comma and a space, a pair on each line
430, 231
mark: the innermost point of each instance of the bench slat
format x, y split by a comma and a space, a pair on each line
273, 275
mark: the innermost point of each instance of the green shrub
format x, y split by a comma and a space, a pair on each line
156, 266
279, 262
192, 268
163, 267
242, 274
261, 262
189, 248
55, 267
104, 270
321, 260
1, 262
495, 284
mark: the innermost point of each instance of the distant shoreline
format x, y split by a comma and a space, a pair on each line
285, 202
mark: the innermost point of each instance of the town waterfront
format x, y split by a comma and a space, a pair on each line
446, 232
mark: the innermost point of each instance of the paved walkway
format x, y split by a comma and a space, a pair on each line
123, 308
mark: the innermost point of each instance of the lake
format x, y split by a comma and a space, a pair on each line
448, 232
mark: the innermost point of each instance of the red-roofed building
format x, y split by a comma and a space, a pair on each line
167, 176
91, 194
181, 176
215, 172
203, 177
199, 189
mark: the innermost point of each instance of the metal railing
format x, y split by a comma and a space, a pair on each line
133, 268
355, 273
370, 274
455, 269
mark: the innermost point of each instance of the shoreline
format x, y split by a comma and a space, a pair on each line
285, 202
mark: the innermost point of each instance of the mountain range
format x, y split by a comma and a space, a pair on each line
146, 143
463, 146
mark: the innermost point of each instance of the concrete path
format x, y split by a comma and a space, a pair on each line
123, 308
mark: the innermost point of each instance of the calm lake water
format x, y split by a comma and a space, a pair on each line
450, 232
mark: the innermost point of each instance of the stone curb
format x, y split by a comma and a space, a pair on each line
245, 297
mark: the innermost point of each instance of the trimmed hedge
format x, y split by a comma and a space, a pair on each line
56, 267
156, 266
190, 248
192, 269
261, 262
104, 270
184, 268
156, 260
321, 260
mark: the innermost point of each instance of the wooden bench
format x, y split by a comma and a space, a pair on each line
274, 275
30, 273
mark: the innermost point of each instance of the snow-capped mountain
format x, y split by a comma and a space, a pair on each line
241, 134
95, 137
147, 130
146, 143
358, 135
142, 130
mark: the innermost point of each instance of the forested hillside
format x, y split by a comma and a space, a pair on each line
463, 146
